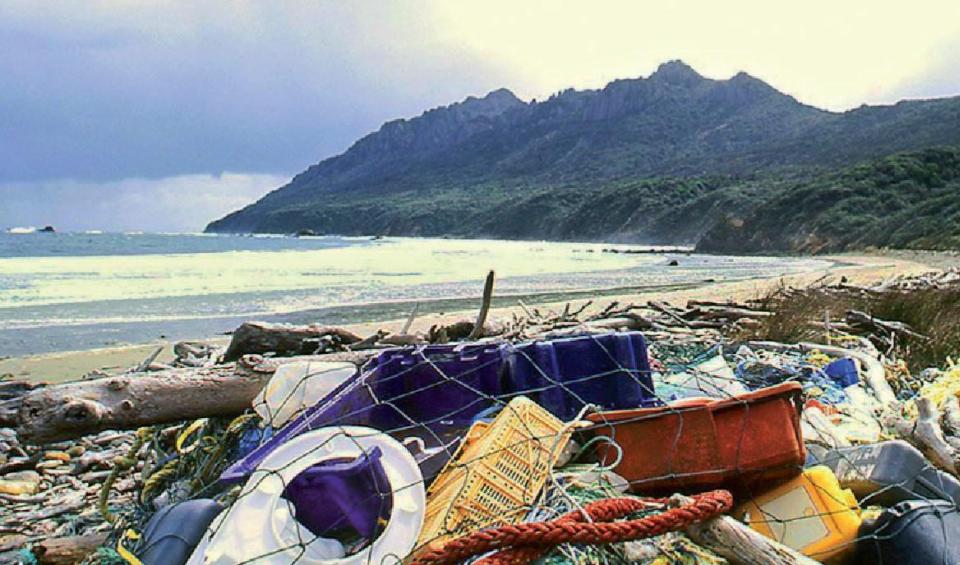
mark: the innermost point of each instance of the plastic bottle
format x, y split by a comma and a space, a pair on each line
810, 513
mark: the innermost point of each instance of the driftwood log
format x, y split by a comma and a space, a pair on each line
740, 544
81, 408
263, 337
68, 550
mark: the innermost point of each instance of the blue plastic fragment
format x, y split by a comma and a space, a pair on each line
334, 494
843, 372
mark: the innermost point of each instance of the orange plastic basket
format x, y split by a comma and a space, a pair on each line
496, 473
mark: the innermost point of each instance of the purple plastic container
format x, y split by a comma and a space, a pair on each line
435, 392
430, 392
332, 495
611, 371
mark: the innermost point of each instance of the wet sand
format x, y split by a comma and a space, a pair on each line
860, 269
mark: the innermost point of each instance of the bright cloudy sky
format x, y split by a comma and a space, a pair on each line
190, 108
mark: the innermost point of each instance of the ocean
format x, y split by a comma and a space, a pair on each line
75, 291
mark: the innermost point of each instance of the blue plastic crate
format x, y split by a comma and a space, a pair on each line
611, 371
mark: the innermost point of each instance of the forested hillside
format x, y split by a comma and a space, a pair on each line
663, 159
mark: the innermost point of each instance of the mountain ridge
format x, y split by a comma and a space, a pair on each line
491, 151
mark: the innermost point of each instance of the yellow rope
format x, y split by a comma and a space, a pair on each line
158, 477
125, 553
186, 433
120, 464
212, 448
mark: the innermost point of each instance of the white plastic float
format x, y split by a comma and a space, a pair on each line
260, 526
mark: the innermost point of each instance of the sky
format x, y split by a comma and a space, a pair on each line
161, 116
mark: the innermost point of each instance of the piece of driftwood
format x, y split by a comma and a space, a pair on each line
9, 412
740, 544
8, 543
666, 309
705, 324
926, 434
72, 504
80, 408
368, 342
402, 340
67, 550
263, 337
410, 319
858, 318
477, 331
253, 363
691, 304
951, 415
145, 364
460, 329
726, 312
624, 321
10, 394
15, 389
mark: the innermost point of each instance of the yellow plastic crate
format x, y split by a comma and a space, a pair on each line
496, 473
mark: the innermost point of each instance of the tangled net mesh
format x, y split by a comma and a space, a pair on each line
553, 454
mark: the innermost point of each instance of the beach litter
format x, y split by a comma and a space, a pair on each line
627, 434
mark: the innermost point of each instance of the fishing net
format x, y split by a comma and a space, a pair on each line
428, 444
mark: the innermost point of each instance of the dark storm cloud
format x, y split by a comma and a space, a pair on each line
111, 90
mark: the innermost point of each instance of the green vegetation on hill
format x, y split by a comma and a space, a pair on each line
666, 159
908, 200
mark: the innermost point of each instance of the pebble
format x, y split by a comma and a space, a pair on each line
24, 482
32, 476
49, 464
108, 436
94, 476
62, 474
17, 487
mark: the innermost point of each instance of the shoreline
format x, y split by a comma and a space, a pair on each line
858, 268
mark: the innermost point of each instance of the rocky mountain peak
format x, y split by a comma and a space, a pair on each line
676, 72
494, 103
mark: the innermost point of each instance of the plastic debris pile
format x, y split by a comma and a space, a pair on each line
557, 440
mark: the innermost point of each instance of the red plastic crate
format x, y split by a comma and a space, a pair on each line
703, 444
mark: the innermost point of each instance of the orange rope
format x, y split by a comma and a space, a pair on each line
523, 543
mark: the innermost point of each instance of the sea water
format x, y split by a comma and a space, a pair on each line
70, 291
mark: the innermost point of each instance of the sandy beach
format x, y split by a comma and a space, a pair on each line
859, 268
